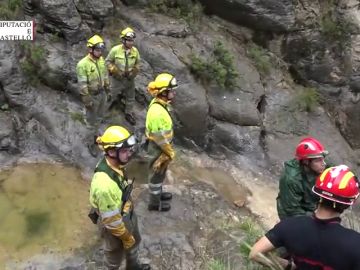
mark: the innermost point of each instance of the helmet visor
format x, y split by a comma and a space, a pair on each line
99, 46
130, 36
128, 143
173, 84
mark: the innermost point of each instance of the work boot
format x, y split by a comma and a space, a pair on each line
161, 207
130, 118
166, 196
143, 266
93, 149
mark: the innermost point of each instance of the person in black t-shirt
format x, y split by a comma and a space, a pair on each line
320, 241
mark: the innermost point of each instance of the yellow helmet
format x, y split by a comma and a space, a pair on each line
163, 81
128, 34
116, 137
95, 42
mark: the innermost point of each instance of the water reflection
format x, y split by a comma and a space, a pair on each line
43, 207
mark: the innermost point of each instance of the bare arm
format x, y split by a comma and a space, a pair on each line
263, 246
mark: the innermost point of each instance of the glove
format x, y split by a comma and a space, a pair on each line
168, 149
127, 239
112, 69
161, 163
87, 100
133, 73
115, 72
127, 207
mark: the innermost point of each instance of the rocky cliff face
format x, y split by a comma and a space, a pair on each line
260, 117
297, 74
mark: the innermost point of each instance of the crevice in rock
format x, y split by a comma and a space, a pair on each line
262, 38
180, 58
175, 34
297, 76
261, 107
261, 104
30, 8
3, 98
262, 140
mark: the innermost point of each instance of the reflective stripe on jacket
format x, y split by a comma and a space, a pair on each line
106, 196
92, 75
159, 125
123, 62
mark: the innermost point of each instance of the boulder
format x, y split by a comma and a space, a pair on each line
99, 10
354, 83
348, 117
190, 105
94, 13
57, 72
285, 126
58, 16
8, 137
14, 85
270, 15
282, 116
191, 110
235, 108
243, 140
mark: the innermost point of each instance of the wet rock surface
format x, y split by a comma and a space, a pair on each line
180, 239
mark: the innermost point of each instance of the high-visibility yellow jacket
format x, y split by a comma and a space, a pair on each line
92, 75
159, 126
124, 60
107, 186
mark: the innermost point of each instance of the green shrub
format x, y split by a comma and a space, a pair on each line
334, 26
251, 232
10, 9
190, 11
76, 116
334, 29
219, 68
260, 58
32, 62
216, 265
55, 37
14, 4
200, 68
30, 72
113, 28
307, 99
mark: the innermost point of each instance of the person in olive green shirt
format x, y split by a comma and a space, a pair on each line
110, 197
159, 134
93, 83
295, 196
123, 63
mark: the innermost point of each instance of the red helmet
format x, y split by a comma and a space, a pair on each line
337, 184
310, 148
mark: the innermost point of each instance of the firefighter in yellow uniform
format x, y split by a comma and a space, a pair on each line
159, 134
110, 196
123, 63
93, 81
